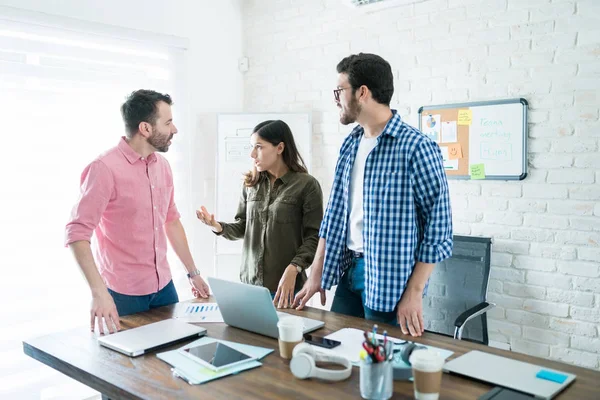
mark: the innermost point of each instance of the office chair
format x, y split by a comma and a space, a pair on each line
457, 292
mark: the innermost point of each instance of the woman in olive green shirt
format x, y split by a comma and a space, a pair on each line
278, 216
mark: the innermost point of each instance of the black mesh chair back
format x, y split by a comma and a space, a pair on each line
458, 288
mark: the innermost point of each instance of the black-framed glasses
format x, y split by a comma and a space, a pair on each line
336, 92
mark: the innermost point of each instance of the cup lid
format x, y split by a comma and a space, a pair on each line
290, 321
426, 360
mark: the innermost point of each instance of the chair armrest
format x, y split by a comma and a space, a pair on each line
468, 315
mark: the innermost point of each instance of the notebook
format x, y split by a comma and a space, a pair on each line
544, 383
137, 341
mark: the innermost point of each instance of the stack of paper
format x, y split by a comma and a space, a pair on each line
195, 374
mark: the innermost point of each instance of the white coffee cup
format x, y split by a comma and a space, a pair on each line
290, 334
427, 373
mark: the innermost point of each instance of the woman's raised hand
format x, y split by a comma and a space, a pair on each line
208, 219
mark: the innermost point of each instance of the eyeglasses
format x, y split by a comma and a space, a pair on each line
336, 92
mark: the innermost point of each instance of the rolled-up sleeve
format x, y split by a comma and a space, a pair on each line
432, 202
96, 190
172, 212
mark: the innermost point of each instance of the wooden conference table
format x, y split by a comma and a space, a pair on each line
77, 354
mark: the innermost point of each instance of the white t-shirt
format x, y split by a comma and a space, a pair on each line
355, 219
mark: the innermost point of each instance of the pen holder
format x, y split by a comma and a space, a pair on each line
376, 380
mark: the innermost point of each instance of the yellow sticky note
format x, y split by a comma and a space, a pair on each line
455, 151
477, 171
464, 117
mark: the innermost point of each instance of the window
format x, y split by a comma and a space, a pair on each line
61, 86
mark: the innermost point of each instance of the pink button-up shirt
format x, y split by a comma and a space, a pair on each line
125, 200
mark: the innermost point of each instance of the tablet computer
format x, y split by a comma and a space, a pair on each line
216, 356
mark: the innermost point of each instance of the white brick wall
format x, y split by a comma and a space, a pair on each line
546, 229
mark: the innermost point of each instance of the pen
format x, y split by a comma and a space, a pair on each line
374, 333
379, 354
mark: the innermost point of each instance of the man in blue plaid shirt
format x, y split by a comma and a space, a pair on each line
388, 221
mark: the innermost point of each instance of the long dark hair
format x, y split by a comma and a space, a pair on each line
276, 132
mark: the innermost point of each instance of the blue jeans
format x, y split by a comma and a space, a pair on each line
134, 304
350, 296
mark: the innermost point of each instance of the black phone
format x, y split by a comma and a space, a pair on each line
321, 341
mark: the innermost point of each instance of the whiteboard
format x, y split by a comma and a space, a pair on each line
494, 135
233, 160
496, 138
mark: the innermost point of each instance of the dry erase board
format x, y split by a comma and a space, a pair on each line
480, 140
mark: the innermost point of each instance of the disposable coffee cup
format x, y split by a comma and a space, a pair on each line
290, 334
427, 373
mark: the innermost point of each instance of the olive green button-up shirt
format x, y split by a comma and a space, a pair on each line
279, 225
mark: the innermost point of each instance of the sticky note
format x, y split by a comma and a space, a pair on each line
464, 117
455, 151
477, 171
551, 376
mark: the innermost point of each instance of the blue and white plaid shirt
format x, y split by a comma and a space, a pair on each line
407, 216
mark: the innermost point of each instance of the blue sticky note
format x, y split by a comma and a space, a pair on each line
551, 376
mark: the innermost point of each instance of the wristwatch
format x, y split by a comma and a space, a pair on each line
194, 273
298, 268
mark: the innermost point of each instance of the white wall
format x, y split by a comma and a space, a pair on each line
546, 229
213, 82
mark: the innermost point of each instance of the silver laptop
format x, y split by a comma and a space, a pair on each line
251, 308
509, 373
137, 341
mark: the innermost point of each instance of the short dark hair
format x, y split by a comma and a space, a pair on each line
372, 71
141, 106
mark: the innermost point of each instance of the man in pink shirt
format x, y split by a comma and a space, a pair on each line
127, 202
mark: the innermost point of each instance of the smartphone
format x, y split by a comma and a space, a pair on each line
321, 341
216, 355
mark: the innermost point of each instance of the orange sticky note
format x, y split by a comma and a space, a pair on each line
455, 151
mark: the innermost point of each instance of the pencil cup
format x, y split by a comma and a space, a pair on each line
376, 380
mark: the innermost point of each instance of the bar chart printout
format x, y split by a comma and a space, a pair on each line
198, 312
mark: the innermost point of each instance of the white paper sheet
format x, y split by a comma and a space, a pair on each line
450, 165
449, 132
198, 312
431, 126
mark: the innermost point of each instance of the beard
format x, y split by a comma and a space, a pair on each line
159, 142
350, 114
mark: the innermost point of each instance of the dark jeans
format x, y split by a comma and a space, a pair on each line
134, 304
350, 296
